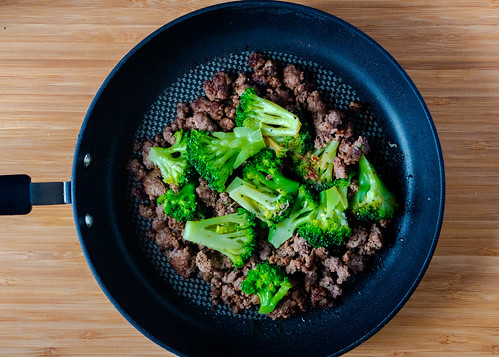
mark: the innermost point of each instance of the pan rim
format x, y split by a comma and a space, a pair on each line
312, 12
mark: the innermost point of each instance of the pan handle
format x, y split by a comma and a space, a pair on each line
18, 194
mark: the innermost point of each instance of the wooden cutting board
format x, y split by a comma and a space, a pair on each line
55, 54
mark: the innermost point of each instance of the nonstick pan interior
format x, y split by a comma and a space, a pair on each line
188, 87
138, 99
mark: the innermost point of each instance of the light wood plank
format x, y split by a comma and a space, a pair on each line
55, 54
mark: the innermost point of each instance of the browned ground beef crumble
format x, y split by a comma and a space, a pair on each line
317, 274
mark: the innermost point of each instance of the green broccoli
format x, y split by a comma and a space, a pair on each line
270, 206
316, 167
264, 169
182, 205
273, 120
269, 282
233, 235
327, 224
301, 144
216, 156
372, 201
172, 161
302, 209
343, 185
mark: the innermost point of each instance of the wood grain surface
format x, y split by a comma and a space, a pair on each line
54, 55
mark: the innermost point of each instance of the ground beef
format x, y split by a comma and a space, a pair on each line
146, 147
137, 169
292, 76
339, 168
317, 274
183, 110
280, 96
146, 211
229, 288
301, 95
214, 109
320, 298
264, 250
351, 151
334, 290
265, 72
182, 261
227, 124
200, 121
356, 262
344, 131
256, 60
358, 238
325, 127
334, 265
225, 205
374, 242
290, 305
168, 135
241, 84
212, 264
137, 191
206, 194
316, 105
353, 189
153, 184
230, 112
218, 87
168, 239
173, 223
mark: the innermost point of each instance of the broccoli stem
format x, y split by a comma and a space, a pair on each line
326, 158
232, 235
277, 181
268, 205
302, 209
269, 300
271, 118
250, 197
282, 232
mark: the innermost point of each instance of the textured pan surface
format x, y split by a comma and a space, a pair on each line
190, 86
139, 98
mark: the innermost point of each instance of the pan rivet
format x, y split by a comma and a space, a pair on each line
89, 220
87, 160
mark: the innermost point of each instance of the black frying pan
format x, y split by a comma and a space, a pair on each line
138, 98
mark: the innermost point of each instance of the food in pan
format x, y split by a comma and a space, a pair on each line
264, 191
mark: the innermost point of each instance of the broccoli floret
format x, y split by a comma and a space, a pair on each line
182, 205
269, 282
301, 211
172, 161
316, 167
273, 120
271, 206
373, 201
327, 224
301, 144
264, 169
216, 156
342, 185
232, 235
